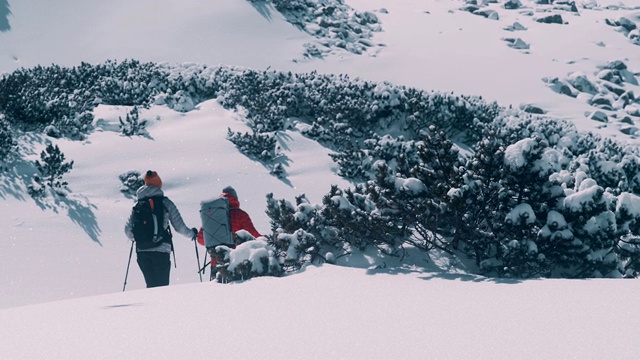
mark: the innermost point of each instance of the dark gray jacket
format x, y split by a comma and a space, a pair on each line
171, 215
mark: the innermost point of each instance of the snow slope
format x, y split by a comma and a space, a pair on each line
69, 256
335, 313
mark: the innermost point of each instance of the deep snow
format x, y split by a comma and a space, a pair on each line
63, 261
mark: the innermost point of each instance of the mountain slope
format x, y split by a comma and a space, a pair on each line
336, 312
63, 260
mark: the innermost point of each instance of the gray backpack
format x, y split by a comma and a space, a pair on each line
216, 223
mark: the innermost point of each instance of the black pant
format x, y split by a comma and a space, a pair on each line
155, 267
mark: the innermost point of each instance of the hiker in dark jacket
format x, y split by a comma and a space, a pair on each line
240, 220
155, 262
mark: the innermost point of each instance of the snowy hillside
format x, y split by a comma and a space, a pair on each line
338, 313
63, 259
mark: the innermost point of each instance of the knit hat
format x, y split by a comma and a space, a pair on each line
231, 191
151, 178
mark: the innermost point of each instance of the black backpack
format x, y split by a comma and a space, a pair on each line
147, 219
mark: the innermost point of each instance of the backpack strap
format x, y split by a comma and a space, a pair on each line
158, 202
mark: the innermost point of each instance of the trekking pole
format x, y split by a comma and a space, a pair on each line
195, 244
128, 264
203, 269
204, 263
173, 249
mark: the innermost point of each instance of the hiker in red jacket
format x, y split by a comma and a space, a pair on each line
240, 220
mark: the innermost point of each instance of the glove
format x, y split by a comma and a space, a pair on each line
195, 233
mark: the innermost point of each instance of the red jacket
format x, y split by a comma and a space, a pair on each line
240, 220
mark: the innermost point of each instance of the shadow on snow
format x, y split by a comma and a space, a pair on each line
4, 16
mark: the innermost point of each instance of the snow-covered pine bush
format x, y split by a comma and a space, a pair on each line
287, 218
290, 5
336, 102
261, 146
335, 133
350, 219
409, 191
300, 236
629, 250
450, 113
53, 166
126, 83
555, 242
181, 101
278, 171
131, 181
63, 98
353, 163
538, 211
346, 220
340, 110
242, 236
357, 160
614, 166
7, 143
250, 259
504, 177
74, 128
263, 96
294, 250
589, 212
344, 113
132, 125
428, 177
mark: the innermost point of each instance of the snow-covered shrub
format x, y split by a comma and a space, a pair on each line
300, 237
629, 250
249, 259
353, 163
508, 201
278, 171
526, 202
614, 166
287, 218
589, 213
349, 219
65, 97
359, 161
132, 125
499, 179
290, 5
333, 21
76, 127
571, 182
412, 191
260, 146
345, 220
384, 213
53, 166
7, 143
181, 101
131, 181
36, 189
297, 248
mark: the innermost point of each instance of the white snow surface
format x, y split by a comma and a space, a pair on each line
63, 260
